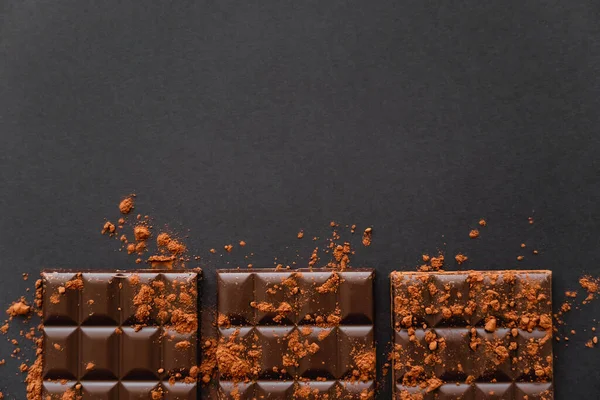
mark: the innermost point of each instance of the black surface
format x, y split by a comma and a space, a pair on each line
250, 121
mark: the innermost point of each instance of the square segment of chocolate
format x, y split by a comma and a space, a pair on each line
289, 334
472, 335
120, 335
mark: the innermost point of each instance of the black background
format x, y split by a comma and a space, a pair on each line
239, 120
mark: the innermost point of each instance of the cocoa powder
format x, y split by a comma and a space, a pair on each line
127, 204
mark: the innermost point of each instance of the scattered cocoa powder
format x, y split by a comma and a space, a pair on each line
365, 364
591, 285
297, 349
432, 263
33, 379
208, 368
236, 359
314, 258
330, 285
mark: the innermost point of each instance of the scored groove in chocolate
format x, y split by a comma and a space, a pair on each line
472, 335
95, 342
333, 310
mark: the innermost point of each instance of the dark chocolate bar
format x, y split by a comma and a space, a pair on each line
291, 334
120, 335
472, 335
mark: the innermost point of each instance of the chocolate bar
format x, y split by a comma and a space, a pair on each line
472, 335
120, 335
288, 334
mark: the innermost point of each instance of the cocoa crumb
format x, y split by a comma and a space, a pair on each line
109, 228
184, 344
141, 232
223, 321
18, 308
300, 235
520, 258
460, 258
157, 394
228, 248
482, 222
90, 366
474, 234
74, 284
490, 325
126, 205
367, 237
314, 258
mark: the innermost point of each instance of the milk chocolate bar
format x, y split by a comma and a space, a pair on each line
291, 334
472, 335
120, 335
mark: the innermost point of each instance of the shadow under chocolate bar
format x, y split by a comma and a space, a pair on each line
287, 334
472, 335
121, 335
